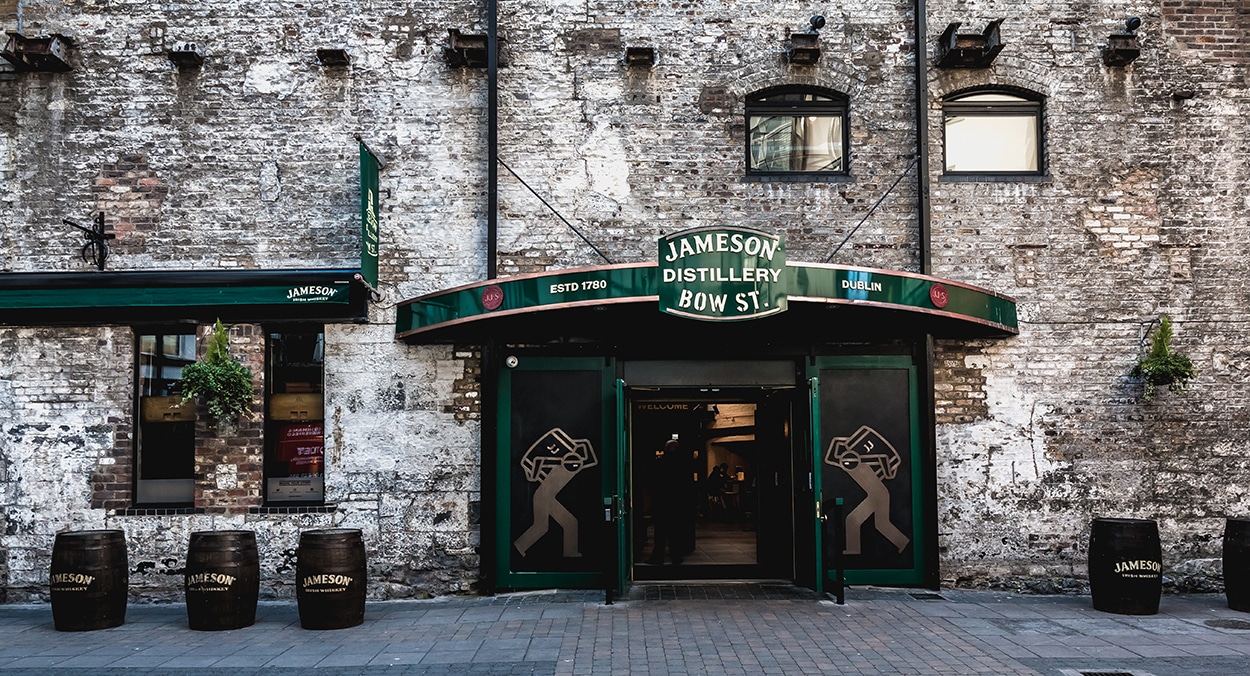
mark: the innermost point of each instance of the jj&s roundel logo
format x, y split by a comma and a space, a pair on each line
492, 297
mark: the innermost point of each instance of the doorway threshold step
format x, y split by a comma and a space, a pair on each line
747, 590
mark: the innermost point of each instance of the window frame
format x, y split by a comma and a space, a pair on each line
275, 425
149, 492
1029, 104
837, 105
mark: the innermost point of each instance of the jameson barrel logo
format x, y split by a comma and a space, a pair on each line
1143, 568
209, 582
326, 582
70, 581
722, 274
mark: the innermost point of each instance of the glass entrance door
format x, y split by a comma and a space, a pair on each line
711, 477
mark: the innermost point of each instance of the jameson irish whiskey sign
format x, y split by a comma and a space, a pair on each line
722, 274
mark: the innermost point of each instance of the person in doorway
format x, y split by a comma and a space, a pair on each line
666, 495
716, 491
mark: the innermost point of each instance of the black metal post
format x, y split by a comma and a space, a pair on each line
839, 544
492, 139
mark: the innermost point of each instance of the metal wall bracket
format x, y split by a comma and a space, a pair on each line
969, 50
640, 57
804, 49
1120, 50
186, 55
333, 57
96, 248
468, 51
46, 54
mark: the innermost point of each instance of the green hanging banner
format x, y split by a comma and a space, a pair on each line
369, 166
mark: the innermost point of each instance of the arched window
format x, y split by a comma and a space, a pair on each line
993, 132
796, 130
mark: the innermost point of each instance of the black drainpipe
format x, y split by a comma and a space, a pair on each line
922, 138
925, 349
492, 139
488, 527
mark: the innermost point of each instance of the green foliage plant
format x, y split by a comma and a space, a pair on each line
1162, 366
225, 384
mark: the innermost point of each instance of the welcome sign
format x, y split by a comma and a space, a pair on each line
722, 274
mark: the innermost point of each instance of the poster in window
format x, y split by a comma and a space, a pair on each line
300, 461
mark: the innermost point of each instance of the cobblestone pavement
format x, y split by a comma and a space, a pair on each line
662, 629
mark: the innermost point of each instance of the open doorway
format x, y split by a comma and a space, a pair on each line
711, 479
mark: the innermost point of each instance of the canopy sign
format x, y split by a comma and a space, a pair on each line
722, 274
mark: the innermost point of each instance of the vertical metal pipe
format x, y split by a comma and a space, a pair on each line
922, 139
492, 139
925, 343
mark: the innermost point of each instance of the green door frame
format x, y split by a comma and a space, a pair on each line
919, 471
621, 499
609, 459
817, 514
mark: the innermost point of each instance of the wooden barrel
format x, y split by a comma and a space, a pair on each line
222, 580
330, 578
89, 580
1237, 563
1125, 566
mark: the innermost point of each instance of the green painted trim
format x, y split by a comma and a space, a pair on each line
638, 283
817, 452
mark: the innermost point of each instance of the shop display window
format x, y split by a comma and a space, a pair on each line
165, 440
295, 415
796, 131
991, 132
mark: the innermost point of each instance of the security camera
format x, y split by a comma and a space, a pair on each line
818, 22
1132, 23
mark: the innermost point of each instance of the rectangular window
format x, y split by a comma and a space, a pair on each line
295, 414
796, 143
992, 133
795, 132
998, 144
165, 442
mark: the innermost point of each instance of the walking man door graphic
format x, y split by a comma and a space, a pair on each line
552, 462
871, 461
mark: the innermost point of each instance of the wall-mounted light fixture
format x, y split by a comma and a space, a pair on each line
186, 55
804, 48
640, 57
1122, 48
333, 57
47, 54
969, 50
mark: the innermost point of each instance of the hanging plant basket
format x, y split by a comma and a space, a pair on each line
1162, 366
222, 383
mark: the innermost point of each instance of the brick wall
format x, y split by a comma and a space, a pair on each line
230, 454
1218, 30
250, 162
58, 438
